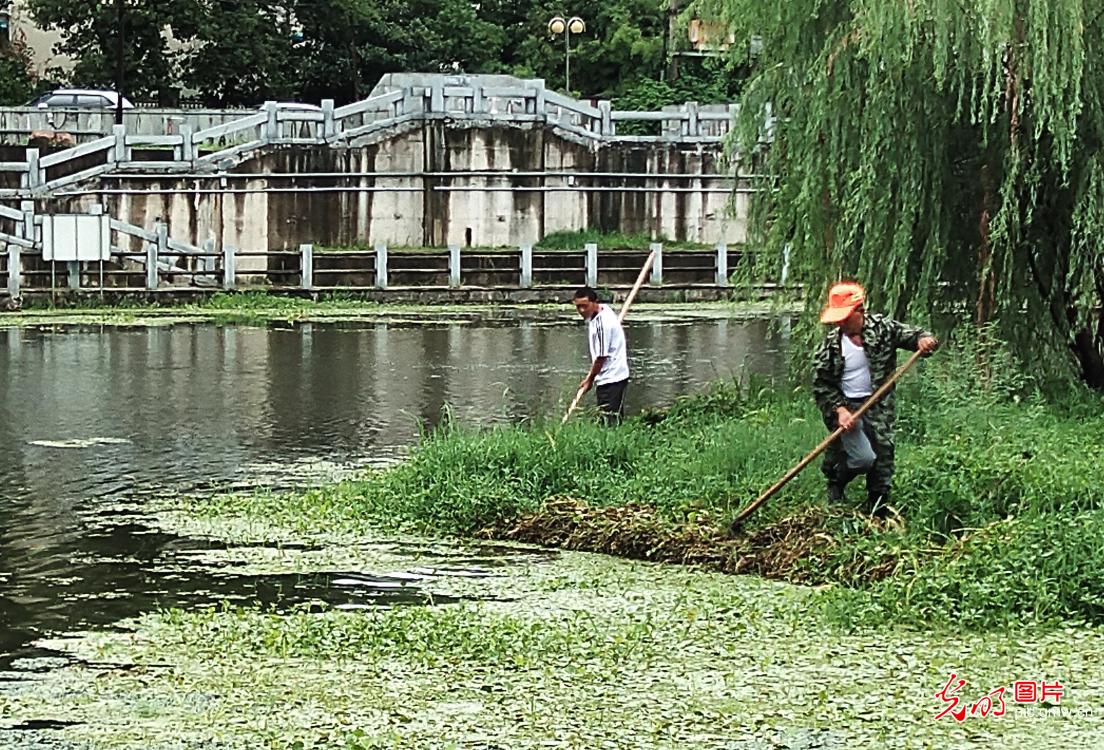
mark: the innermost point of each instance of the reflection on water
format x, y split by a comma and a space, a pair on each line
94, 422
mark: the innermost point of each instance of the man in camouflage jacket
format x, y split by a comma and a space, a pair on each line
858, 355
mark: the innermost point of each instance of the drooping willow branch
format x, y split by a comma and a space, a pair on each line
931, 147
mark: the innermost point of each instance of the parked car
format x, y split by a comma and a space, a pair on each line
79, 99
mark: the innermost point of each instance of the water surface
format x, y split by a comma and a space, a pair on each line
97, 422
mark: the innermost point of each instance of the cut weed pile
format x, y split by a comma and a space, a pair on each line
788, 549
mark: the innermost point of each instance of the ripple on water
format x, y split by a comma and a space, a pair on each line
73, 443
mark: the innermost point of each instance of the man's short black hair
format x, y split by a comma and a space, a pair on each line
585, 292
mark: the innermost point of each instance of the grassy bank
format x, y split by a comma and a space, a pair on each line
613, 241
567, 240
998, 487
249, 302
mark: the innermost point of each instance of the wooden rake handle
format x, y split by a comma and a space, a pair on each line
742, 515
621, 318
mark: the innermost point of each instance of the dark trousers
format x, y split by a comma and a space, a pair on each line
611, 402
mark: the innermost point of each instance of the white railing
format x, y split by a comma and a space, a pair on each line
18, 123
282, 125
164, 262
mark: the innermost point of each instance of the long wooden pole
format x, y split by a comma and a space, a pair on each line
621, 318
742, 515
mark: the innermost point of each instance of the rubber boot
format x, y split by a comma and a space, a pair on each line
836, 488
877, 504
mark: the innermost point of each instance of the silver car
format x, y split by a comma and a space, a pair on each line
79, 99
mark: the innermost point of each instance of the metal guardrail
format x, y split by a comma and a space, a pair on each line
220, 145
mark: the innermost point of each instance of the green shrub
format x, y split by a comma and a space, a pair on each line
1037, 569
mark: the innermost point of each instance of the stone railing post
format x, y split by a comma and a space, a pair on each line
526, 266
454, 266
657, 264
120, 153
15, 270
28, 209
591, 264
272, 124
606, 110
693, 123
36, 175
187, 144
306, 266
329, 125
229, 270
722, 264
381, 265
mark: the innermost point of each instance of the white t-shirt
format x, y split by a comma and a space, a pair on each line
856, 370
607, 339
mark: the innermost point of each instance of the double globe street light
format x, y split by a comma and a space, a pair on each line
559, 25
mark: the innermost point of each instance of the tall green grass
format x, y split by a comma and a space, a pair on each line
1036, 568
576, 240
460, 480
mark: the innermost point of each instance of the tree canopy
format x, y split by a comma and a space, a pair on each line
17, 85
947, 154
90, 35
247, 51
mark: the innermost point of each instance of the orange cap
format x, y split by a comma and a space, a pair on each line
843, 298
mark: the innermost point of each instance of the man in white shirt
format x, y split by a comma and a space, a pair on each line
609, 369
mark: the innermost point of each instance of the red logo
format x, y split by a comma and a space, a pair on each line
948, 696
1025, 692
992, 704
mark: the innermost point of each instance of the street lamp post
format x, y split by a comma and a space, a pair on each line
559, 25
120, 71
5, 24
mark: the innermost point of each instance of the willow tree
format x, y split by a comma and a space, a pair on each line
946, 152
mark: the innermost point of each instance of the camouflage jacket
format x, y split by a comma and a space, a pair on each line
882, 337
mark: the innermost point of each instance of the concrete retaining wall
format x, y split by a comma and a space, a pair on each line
415, 187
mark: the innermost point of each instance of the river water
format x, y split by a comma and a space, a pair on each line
97, 421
